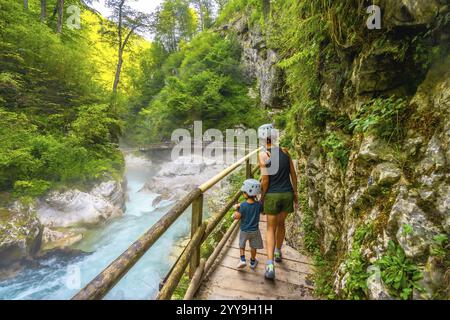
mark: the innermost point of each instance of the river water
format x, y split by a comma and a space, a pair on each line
60, 277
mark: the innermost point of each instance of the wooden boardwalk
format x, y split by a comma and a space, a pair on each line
226, 282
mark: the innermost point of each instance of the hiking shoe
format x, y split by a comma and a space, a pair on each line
253, 263
278, 256
270, 272
241, 264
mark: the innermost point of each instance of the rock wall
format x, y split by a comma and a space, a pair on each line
258, 61
401, 191
387, 192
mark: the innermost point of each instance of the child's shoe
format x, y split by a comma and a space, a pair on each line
278, 256
270, 271
242, 263
253, 263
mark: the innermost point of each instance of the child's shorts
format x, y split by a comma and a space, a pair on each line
254, 237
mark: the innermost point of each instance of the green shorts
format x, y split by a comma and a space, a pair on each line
275, 203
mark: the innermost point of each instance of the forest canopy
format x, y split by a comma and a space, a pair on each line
69, 95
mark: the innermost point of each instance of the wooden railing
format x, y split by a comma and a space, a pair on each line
200, 231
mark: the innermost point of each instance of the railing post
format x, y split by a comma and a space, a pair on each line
248, 166
248, 169
196, 222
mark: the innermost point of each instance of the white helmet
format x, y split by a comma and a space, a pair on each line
266, 131
251, 187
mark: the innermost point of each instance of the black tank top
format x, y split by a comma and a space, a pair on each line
279, 180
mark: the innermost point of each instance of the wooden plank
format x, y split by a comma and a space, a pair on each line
230, 294
282, 273
254, 284
231, 259
288, 254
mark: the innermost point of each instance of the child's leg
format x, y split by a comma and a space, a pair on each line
253, 253
242, 241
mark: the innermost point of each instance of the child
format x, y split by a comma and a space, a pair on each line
248, 212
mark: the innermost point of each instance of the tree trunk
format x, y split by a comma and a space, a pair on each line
201, 14
43, 10
25, 4
118, 71
266, 8
59, 24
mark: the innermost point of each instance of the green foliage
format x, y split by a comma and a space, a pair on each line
439, 246
56, 128
253, 8
407, 229
336, 148
203, 81
398, 272
32, 161
304, 33
175, 22
382, 116
32, 188
356, 284
323, 275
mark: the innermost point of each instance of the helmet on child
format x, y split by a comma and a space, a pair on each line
251, 187
266, 131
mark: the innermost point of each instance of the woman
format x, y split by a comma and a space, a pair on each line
278, 194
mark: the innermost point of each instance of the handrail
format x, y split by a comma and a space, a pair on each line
211, 182
111, 275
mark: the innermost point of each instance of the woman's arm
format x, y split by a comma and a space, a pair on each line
262, 158
293, 178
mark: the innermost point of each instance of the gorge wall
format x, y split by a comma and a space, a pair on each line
372, 144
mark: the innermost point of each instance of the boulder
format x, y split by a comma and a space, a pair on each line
378, 70
20, 234
377, 290
76, 208
386, 174
411, 13
59, 238
413, 231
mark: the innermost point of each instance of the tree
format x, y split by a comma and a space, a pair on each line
25, 4
173, 22
43, 10
266, 8
128, 21
204, 9
221, 4
60, 8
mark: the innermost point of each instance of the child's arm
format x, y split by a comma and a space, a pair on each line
236, 214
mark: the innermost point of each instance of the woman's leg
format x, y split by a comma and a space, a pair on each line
281, 230
270, 235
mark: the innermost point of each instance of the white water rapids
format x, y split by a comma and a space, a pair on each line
60, 277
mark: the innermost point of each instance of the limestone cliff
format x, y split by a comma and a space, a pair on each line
375, 179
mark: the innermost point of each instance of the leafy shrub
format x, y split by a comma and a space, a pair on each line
438, 247
398, 272
382, 116
33, 188
336, 148
205, 83
356, 285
